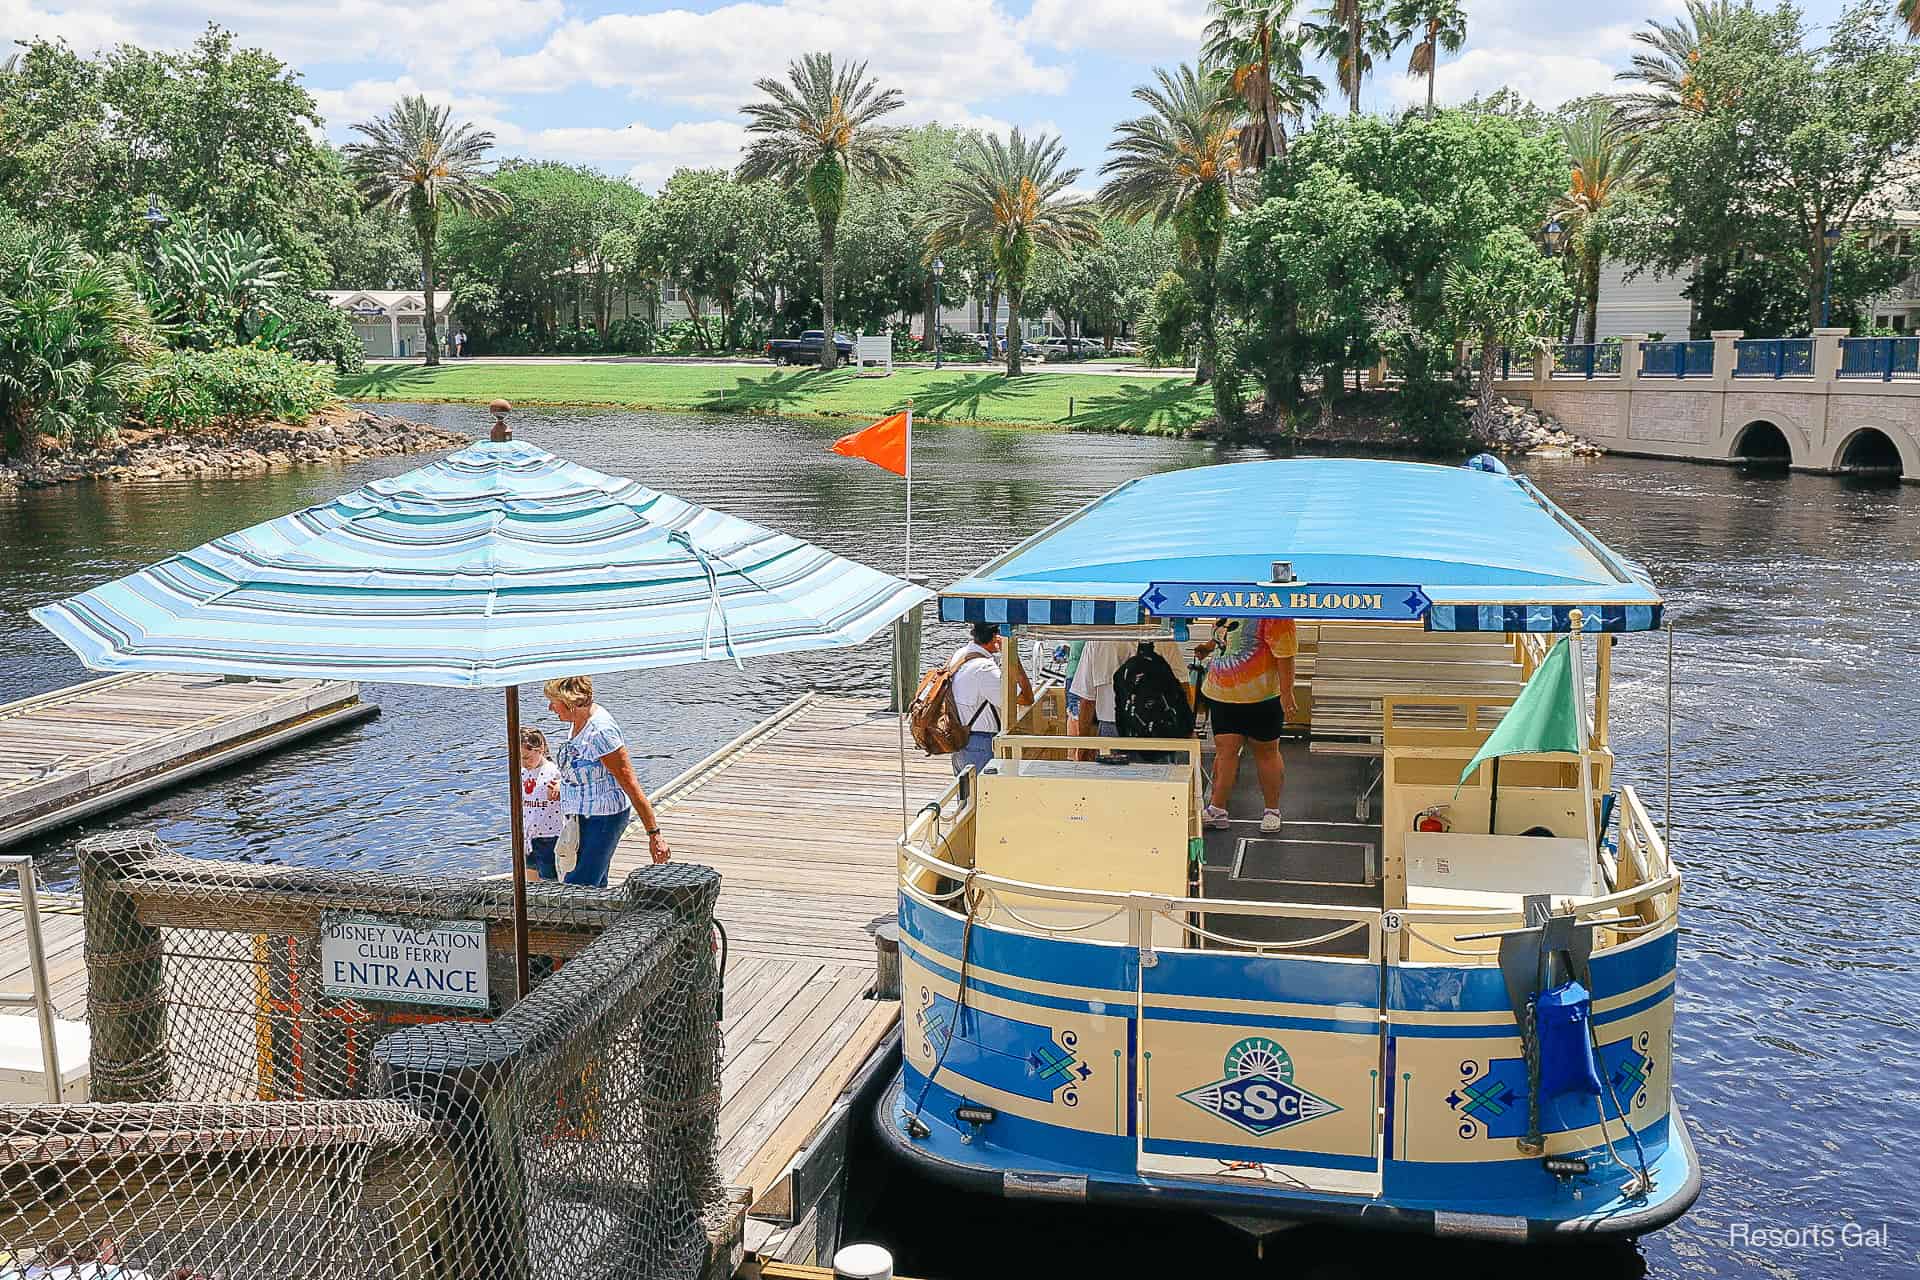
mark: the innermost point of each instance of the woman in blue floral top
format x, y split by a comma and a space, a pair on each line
597, 784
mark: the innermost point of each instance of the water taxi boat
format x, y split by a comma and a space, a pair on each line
1369, 1015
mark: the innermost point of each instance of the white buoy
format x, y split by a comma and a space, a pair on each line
863, 1262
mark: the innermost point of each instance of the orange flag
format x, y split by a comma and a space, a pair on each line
884, 444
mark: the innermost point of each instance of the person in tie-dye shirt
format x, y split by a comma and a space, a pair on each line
1249, 692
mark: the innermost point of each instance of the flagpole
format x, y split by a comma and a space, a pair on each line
1580, 720
909, 565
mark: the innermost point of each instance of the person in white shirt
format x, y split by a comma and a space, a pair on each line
977, 680
541, 818
1093, 684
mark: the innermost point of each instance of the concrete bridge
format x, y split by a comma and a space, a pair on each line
1829, 404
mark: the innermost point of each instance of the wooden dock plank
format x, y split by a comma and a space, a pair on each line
109, 741
799, 819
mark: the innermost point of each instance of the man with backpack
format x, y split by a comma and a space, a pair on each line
957, 709
1128, 689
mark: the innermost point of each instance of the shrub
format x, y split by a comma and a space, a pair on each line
307, 328
193, 389
75, 339
1431, 413
631, 337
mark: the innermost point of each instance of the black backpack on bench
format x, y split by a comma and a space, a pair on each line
1149, 700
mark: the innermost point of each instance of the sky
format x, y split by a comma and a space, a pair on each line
643, 88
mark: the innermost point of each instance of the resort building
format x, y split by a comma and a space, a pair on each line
391, 322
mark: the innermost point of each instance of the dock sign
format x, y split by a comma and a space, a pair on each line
442, 963
1370, 603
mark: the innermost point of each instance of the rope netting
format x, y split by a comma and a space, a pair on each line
262, 1106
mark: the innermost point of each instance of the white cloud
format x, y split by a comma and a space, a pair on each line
647, 155
1151, 30
365, 99
427, 37
943, 56
85, 28
1548, 79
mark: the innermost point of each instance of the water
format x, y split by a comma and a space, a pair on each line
1795, 815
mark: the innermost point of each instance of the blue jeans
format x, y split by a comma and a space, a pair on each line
540, 856
598, 838
977, 752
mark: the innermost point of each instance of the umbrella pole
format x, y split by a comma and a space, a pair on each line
516, 823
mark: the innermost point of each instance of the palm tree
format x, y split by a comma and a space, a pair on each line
1438, 25
1180, 164
1352, 33
415, 161
1666, 67
1605, 166
1254, 43
816, 133
1910, 14
1009, 197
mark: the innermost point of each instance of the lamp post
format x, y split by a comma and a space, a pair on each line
1552, 240
1832, 236
939, 347
156, 221
993, 313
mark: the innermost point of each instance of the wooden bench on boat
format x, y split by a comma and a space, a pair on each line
1357, 667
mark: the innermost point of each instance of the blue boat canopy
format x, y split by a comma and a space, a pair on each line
1458, 548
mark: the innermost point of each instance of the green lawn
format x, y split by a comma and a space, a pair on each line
1083, 401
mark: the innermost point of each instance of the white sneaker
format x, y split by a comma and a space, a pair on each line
1216, 819
1270, 821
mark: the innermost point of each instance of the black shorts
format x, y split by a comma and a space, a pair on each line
1260, 721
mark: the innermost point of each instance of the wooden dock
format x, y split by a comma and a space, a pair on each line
799, 815
75, 752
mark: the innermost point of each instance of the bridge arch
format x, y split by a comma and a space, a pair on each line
1871, 451
1762, 444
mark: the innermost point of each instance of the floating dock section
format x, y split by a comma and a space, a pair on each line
76, 752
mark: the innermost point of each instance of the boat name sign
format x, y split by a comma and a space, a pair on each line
1373, 602
440, 962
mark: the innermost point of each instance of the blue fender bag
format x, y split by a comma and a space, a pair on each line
1560, 1018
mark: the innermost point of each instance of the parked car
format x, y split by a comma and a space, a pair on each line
805, 349
1125, 347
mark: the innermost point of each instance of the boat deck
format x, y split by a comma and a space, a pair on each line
78, 751
1322, 855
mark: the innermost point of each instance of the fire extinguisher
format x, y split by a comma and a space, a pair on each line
1432, 818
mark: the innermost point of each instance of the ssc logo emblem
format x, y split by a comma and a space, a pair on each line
1257, 1093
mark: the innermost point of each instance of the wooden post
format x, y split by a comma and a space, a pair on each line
908, 629
126, 976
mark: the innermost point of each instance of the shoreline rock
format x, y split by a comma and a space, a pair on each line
336, 434
1538, 434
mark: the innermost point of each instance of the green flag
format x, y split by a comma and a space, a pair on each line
1543, 718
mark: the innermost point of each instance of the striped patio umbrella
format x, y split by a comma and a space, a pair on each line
496, 566
499, 565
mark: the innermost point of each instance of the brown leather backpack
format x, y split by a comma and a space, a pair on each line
933, 718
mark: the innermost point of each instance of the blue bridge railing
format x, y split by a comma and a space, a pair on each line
1586, 360
1676, 360
1773, 358
1882, 358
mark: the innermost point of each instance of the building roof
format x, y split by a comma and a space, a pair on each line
385, 301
